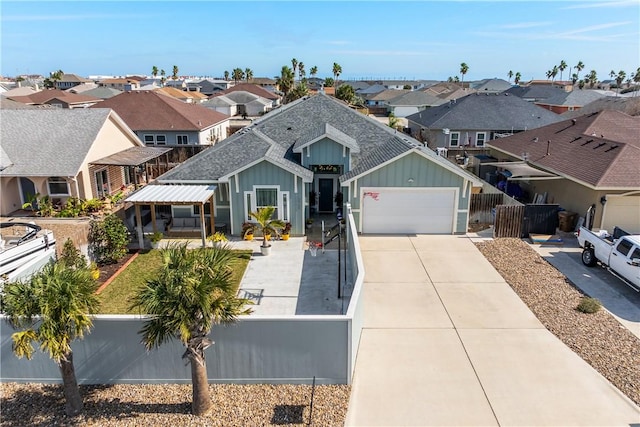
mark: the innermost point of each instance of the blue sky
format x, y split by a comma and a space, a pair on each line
369, 39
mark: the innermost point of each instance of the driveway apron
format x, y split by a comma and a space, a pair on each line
447, 342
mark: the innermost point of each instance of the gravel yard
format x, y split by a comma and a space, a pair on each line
170, 405
598, 338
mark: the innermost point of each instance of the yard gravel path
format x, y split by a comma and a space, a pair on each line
598, 338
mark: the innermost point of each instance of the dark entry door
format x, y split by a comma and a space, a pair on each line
325, 188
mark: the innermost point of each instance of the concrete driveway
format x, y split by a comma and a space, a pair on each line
446, 341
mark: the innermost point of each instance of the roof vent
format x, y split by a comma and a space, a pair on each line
535, 139
613, 147
576, 138
599, 145
289, 128
573, 122
585, 143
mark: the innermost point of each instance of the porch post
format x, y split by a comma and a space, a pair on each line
212, 219
203, 226
139, 226
153, 217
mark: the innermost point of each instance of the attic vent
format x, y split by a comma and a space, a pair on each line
599, 145
585, 143
575, 139
613, 147
289, 128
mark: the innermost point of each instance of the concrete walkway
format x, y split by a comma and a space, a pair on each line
447, 342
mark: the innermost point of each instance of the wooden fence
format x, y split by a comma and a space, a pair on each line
508, 221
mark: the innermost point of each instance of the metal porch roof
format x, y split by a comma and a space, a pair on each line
133, 156
172, 194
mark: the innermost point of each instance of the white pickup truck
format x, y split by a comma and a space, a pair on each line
619, 253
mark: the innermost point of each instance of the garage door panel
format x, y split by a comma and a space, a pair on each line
624, 212
415, 211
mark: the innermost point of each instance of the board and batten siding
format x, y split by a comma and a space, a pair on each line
326, 152
424, 173
266, 174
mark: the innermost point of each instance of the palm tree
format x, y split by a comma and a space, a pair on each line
301, 70
337, 70
579, 67
248, 74
163, 77
53, 308
226, 75
554, 73
313, 71
510, 74
266, 224
285, 80
592, 77
518, 77
612, 74
154, 71
192, 292
237, 75
463, 70
619, 79
574, 78
294, 66
174, 76
562, 67
298, 92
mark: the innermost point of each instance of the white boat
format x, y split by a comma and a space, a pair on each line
24, 249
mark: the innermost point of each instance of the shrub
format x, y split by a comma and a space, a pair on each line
108, 240
588, 305
71, 256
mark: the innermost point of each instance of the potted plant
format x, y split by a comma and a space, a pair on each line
309, 222
286, 231
155, 238
267, 225
218, 238
247, 230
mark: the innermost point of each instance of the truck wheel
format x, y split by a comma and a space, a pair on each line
588, 257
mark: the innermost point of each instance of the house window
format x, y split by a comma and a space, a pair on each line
454, 139
207, 209
182, 139
161, 140
261, 197
267, 197
480, 139
155, 140
58, 186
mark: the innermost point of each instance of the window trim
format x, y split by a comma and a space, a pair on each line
250, 199
182, 136
62, 180
484, 139
451, 133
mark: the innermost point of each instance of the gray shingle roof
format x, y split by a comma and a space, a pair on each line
573, 98
49, 142
416, 98
325, 129
485, 112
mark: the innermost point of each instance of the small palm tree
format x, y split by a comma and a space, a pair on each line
237, 75
248, 74
285, 80
464, 68
174, 76
266, 223
579, 67
294, 66
53, 308
510, 74
301, 71
192, 293
562, 67
226, 75
337, 70
154, 71
313, 71
517, 78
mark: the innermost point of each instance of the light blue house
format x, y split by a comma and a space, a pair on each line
298, 157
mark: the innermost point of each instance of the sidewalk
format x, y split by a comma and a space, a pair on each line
446, 341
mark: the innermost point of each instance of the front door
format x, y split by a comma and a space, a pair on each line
102, 183
325, 190
28, 190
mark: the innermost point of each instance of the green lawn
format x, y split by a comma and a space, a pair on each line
114, 299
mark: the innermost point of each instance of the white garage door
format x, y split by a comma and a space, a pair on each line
623, 211
411, 210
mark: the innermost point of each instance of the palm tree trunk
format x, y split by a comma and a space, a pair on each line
201, 403
70, 386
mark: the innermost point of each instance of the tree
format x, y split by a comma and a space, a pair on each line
53, 308
554, 73
346, 93
226, 75
581, 84
248, 74
313, 71
174, 76
394, 121
285, 80
297, 92
294, 66
518, 77
237, 75
301, 71
612, 74
619, 79
108, 239
579, 67
266, 223
54, 76
154, 71
562, 67
574, 78
592, 77
163, 77
510, 74
464, 68
406, 87
192, 292
329, 82
337, 70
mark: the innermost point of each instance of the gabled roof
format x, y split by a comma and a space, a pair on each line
102, 92
275, 136
415, 98
490, 85
376, 88
601, 150
535, 92
51, 142
19, 91
356, 84
575, 98
144, 110
248, 87
13, 105
630, 106
485, 112
48, 95
181, 94
73, 78
387, 94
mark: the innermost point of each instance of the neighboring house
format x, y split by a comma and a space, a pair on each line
57, 98
598, 158
401, 84
264, 82
411, 103
469, 123
8, 104
102, 92
19, 91
239, 103
535, 93
356, 84
630, 106
569, 101
51, 152
370, 90
121, 84
161, 120
190, 97
564, 85
490, 85
69, 80
84, 87
179, 83
298, 158
448, 90
254, 89
381, 99
207, 87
